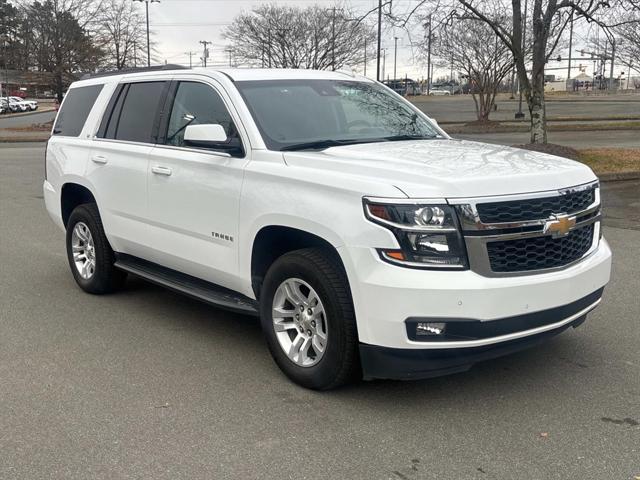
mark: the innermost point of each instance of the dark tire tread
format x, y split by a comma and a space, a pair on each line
330, 267
107, 278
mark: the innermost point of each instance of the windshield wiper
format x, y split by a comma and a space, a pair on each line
321, 144
396, 138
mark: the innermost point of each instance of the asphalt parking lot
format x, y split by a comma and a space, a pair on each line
149, 384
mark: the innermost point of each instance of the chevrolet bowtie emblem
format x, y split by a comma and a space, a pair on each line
559, 225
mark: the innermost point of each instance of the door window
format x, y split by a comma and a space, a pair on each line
196, 104
135, 114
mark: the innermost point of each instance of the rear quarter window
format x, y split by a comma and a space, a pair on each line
75, 109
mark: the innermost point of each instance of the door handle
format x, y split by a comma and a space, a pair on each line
161, 170
99, 159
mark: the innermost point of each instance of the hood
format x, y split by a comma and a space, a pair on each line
448, 167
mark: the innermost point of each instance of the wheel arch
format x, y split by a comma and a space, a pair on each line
73, 194
272, 241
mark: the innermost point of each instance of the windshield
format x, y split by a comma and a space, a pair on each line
304, 114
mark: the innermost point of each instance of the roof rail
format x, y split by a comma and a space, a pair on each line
134, 70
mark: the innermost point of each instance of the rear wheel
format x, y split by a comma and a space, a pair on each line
90, 256
308, 319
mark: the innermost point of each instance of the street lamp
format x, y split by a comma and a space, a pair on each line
146, 4
395, 57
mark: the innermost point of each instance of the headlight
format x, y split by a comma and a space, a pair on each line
429, 235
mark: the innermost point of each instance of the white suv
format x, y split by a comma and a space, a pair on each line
25, 104
369, 242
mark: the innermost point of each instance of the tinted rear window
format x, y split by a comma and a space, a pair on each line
74, 111
137, 119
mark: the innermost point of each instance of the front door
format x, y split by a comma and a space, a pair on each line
194, 193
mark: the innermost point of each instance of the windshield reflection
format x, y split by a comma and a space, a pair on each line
305, 114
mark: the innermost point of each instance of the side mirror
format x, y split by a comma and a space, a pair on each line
206, 135
434, 121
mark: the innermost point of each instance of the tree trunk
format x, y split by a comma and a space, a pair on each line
537, 110
541, 25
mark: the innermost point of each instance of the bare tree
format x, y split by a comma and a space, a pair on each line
627, 37
121, 33
475, 50
61, 40
292, 37
545, 22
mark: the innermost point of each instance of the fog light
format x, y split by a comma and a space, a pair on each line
430, 328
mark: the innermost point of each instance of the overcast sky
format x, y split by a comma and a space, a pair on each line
178, 26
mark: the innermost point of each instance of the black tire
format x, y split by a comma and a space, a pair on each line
106, 278
323, 271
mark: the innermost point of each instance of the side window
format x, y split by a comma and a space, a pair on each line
135, 114
75, 109
197, 104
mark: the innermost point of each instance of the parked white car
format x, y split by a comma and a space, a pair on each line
369, 242
439, 91
29, 104
16, 106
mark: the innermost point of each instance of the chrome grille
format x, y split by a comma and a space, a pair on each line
535, 208
530, 233
539, 253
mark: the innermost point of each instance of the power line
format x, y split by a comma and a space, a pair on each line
213, 24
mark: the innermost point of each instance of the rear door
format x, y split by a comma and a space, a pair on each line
194, 193
119, 159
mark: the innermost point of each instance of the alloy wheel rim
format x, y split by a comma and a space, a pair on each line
300, 322
83, 249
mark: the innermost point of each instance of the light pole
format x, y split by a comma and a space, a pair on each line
379, 40
395, 57
146, 4
519, 113
429, 54
384, 62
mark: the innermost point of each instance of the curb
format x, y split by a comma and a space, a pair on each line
618, 176
25, 114
23, 140
630, 118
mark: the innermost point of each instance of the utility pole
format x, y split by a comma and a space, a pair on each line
205, 52
613, 56
570, 46
603, 64
230, 59
429, 54
146, 4
384, 62
379, 39
190, 53
135, 54
519, 113
451, 74
395, 56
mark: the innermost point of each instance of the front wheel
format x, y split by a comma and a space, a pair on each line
308, 319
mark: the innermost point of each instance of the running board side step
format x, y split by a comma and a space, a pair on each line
186, 284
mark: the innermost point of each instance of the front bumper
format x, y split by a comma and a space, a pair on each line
385, 296
445, 356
